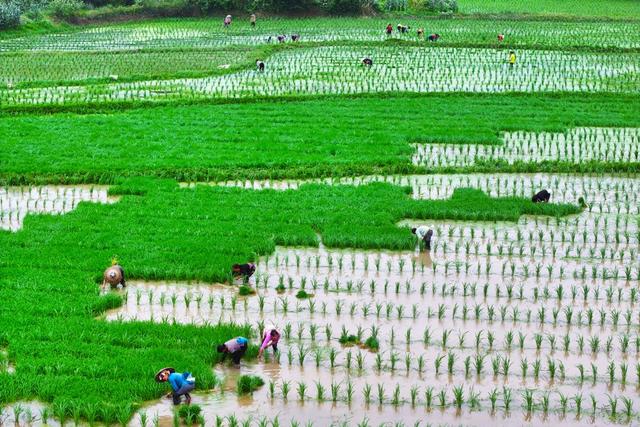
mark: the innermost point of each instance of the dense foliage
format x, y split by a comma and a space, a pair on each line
344, 137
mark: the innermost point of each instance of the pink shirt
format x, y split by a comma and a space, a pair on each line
269, 340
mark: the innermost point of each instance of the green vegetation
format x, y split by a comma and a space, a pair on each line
245, 290
365, 135
249, 383
623, 9
372, 343
189, 413
302, 294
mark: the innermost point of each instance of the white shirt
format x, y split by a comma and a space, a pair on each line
422, 231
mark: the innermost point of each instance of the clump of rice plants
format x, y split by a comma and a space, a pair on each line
248, 384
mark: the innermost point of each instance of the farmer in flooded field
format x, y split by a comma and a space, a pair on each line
181, 384
244, 271
270, 338
389, 30
260, 67
252, 19
114, 276
367, 62
227, 21
420, 33
500, 38
424, 234
236, 347
542, 196
512, 59
434, 37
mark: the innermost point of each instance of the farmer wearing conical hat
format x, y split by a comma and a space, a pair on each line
114, 275
424, 233
181, 384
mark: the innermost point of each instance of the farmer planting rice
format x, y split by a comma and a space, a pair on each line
244, 271
227, 21
424, 234
114, 276
512, 59
367, 62
236, 347
252, 19
403, 29
181, 384
389, 29
260, 65
541, 196
295, 37
270, 338
434, 37
420, 33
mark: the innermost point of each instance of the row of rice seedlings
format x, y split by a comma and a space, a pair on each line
394, 71
209, 34
455, 397
579, 145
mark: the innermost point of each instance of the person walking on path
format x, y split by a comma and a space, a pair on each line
182, 384
236, 347
424, 234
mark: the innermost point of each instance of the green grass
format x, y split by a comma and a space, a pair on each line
622, 9
363, 135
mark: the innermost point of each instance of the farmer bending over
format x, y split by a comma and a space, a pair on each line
270, 338
367, 62
260, 67
541, 196
434, 37
236, 347
114, 276
181, 384
424, 233
243, 271
252, 19
227, 21
420, 33
295, 37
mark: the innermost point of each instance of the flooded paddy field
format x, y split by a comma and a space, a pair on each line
18, 202
534, 322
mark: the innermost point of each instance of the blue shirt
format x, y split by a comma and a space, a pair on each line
176, 380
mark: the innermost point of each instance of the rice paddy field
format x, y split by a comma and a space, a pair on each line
157, 143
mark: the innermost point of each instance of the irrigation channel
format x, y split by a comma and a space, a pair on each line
533, 322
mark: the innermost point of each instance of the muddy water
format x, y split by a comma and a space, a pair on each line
18, 202
350, 300
542, 305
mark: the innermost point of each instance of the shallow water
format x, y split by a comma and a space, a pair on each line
18, 202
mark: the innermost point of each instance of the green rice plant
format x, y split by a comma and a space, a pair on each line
302, 390
493, 398
380, 394
285, 387
458, 397
366, 391
247, 384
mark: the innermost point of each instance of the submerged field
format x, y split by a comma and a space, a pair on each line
159, 144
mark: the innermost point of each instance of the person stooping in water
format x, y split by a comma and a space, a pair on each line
270, 338
424, 234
